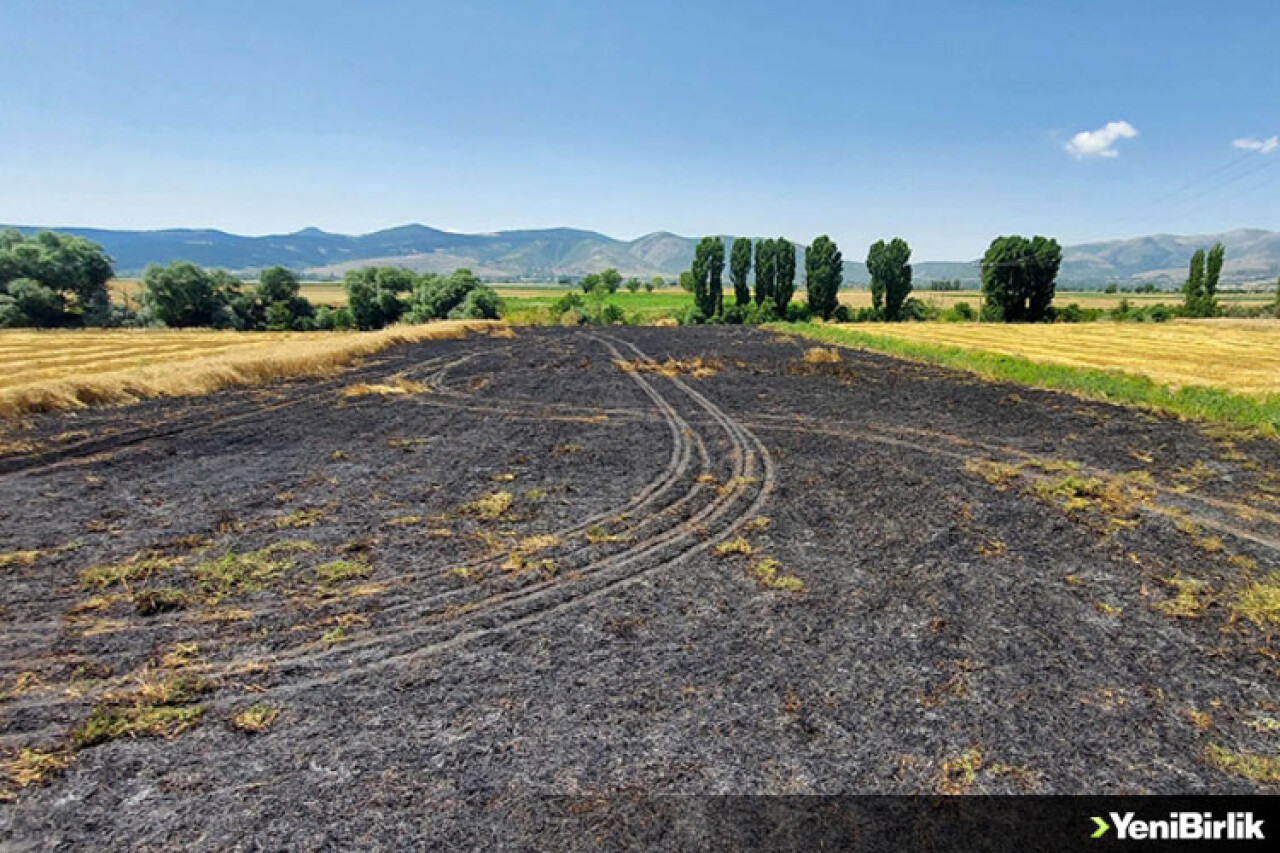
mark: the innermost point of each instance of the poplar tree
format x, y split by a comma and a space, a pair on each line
823, 275
784, 275
740, 269
765, 271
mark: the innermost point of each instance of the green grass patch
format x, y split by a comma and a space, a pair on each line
108, 723
238, 574
338, 571
1261, 413
642, 307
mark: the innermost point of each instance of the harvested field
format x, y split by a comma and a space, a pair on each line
1236, 355
69, 369
293, 614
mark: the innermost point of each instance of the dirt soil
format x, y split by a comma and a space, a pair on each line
559, 563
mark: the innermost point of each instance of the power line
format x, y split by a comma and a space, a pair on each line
1194, 182
1226, 183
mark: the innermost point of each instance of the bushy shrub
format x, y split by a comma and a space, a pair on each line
574, 317
799, 312
692, 317
960, 312
914, 309
569, 302
732, 315
758, 312
611, 314
1073, 313
343, 320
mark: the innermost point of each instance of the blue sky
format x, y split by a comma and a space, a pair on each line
945, 122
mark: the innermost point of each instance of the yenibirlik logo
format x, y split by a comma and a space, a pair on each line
1182, 826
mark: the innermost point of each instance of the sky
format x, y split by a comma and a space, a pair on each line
946, 122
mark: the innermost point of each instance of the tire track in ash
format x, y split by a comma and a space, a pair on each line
406, 592
135, 439
478, 607
724, 515
677, 467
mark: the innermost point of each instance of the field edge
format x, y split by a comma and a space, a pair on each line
1196, 402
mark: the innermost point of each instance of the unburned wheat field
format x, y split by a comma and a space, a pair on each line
1236, 355
409, 599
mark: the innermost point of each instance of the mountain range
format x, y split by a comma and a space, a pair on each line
1253, 255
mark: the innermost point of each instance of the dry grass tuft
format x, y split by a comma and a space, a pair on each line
33, 767
768, 573
1259, 603
139, 567
490, 506
46, 374
18, 558
671, 368
959, 773
256, 718
734, 547
1256, 768
995, 473
396, 387
1188, 601
822, 355
300, 519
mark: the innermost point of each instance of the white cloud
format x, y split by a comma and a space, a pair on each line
1262, 146
1100, 142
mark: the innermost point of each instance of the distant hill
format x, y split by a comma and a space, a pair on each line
543, 255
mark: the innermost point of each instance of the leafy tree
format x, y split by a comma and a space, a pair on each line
589, 281
374, 295
823, 275
27, 302
687, 283
890, 268
765, 272
1019, 277
708, 265
182, 295
281, 305
73, 269
653, 283
481, 303
633, 285
1193, 291
1213, 274
279, 318
277, 284
458, 296
611, 279
740, 269
784, 274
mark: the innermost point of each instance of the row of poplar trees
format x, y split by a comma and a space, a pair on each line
774, 264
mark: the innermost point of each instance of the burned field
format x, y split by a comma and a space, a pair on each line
359, 611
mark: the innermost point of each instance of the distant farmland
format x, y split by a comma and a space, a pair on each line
331, 293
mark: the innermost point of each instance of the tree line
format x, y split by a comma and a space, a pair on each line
1018, 280
55, 280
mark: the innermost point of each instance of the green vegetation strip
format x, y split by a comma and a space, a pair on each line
1262, 412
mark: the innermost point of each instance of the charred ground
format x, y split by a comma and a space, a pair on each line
633, 560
